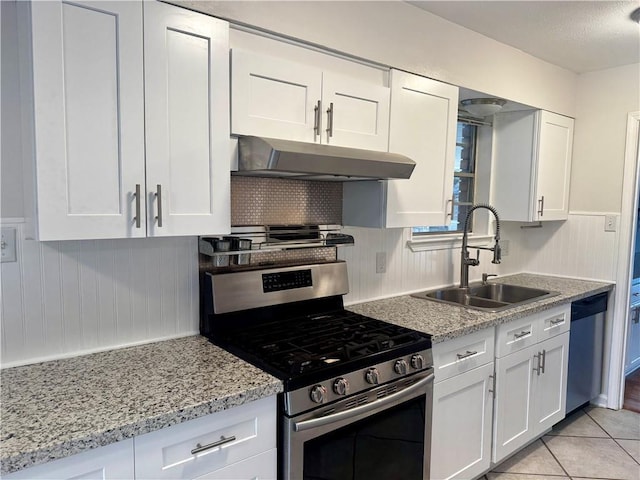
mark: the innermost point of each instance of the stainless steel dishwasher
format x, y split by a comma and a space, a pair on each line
584, 378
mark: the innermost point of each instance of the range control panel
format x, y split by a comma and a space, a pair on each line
276, 281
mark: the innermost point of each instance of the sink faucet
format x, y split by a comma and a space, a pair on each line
465, 260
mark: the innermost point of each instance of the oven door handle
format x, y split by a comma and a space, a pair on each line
393, 398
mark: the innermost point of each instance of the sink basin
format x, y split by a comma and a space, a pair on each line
491, 297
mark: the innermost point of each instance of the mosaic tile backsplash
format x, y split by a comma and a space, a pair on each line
276, 201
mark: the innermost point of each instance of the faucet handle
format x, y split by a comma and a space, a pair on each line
485, 277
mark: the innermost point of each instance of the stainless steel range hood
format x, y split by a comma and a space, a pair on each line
270, 157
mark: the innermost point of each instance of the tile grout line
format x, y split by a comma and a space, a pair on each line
554, 457
610, 436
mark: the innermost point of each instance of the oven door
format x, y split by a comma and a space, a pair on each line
380, 434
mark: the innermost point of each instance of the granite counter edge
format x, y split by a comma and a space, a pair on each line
23, 460
508, 316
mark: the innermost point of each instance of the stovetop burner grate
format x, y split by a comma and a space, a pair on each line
313, 342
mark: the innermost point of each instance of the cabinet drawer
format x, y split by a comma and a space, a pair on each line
516, 335
167, 453
462, 354
554, 322
261, 467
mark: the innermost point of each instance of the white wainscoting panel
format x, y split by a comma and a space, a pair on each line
66, 298
577, 247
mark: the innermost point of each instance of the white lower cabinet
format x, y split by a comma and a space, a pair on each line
531, 383
112, 462
202, 447
462, 406
234, 444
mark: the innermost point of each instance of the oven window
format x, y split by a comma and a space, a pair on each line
387, 445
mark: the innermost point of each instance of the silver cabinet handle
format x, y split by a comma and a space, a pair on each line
543, 355
316, 120
201, 448
330, 120
451, 201
537, 356
524, 333
541, 204
159, 197
466, 355
492, 390
137, 195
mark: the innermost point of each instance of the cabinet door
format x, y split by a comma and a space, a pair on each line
111, 462
187, 121
461, 428
356, 113
423, 127
513, 170
554, 166
89, 118
551, 382
275, 98
513, 427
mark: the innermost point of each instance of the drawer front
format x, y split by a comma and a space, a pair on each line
261, 467
233, 435
514, 336
554, 322
462, 354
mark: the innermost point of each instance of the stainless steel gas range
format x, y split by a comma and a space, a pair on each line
357, 391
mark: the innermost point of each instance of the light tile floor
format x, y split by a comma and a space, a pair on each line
592, 443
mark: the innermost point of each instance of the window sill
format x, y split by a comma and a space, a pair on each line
445, 242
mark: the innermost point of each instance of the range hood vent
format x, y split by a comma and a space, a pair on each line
270, 157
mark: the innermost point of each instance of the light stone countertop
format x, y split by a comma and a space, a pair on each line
444, 321
56, 409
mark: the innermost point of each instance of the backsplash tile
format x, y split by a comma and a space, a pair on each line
277, 201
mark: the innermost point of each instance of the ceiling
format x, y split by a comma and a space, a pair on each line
581, 36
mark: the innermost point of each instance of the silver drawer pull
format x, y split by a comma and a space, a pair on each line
159, 197
521, 334
556, 321
201, 448
465, 355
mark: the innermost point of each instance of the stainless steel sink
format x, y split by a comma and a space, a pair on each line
491, 297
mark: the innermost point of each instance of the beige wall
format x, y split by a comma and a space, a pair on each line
397, 34
604, 99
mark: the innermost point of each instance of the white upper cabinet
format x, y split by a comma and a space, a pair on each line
422, 126
94, 78
186, 121
88, 132
532, 165
277, 98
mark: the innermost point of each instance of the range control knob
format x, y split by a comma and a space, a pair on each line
400, 367
417, 361
372, 376
318, 394
341, 386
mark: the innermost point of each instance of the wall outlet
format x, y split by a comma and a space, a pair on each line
610, 223
381, 262
8, 245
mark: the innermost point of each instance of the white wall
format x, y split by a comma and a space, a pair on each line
398, 34
67, 298
604, 98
